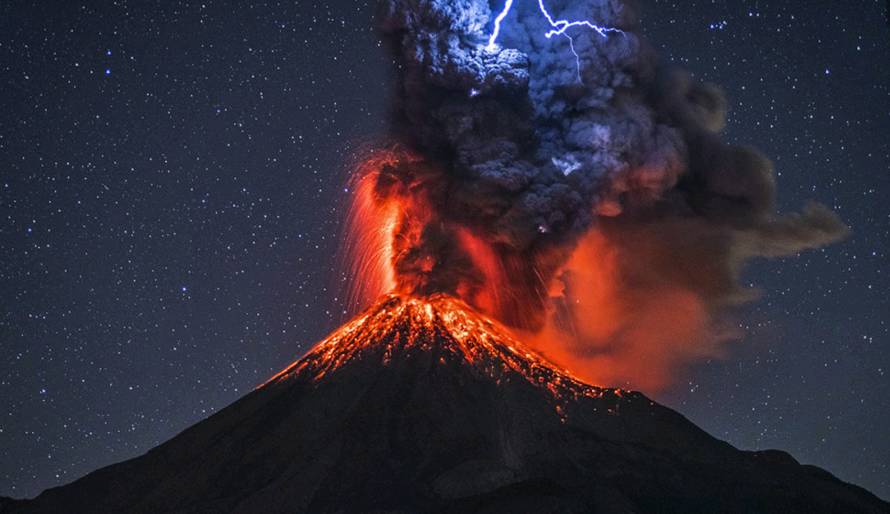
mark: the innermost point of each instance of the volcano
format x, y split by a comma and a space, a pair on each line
424, 405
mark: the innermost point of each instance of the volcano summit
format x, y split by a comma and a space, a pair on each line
423, 405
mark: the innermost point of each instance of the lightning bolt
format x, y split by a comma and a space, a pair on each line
560, 28
492, 39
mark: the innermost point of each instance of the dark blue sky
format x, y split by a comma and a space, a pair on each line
171, 190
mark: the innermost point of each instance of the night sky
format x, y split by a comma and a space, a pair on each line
172, 186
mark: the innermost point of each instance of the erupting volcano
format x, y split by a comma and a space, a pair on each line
423, 405
544, 167
554, 209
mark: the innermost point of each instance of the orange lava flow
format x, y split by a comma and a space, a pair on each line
400, 325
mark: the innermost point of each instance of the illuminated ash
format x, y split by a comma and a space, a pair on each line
533, 145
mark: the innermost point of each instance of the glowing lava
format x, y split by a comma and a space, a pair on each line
447, 329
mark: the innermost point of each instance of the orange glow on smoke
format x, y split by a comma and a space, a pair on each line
389, 217
615, 326
487, 298
371, 224
386, 222
612, 313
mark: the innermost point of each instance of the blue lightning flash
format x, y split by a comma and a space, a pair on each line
560, 28
492, 39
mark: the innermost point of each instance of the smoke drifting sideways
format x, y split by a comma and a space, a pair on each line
576, 190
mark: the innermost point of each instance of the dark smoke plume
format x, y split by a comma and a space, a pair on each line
522, 158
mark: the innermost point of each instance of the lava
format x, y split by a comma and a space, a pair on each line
399, 325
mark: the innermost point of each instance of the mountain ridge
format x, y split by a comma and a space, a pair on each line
422, 405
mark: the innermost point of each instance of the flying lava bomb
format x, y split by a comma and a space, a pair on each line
547, 169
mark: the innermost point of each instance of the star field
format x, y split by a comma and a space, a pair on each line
811, 89
172, 184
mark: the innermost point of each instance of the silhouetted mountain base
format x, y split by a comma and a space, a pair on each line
424, 406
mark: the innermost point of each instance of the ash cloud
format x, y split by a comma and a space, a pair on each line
532, 154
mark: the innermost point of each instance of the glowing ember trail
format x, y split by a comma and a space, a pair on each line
372, 224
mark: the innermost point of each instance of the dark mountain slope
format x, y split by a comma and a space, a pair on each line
424, 406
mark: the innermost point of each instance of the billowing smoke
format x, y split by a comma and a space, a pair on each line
569, 186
